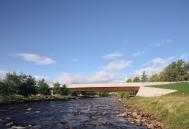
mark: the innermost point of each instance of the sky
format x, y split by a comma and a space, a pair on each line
91, 41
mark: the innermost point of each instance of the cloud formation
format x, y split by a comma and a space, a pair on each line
37, 59
138, 53
158, 61
2, 74
117, 65
162, 42
97, 77
108, 73
185, 57
155, 66
112, 56
150, 70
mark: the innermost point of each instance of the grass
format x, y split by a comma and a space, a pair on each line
173, 110
182, 88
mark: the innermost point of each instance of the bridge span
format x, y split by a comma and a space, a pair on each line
105, 87
139, 89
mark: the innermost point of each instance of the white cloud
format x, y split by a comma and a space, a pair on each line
149, 71
138, 53
162, 42
37, 77
112, 56
185, 57
117, 65
155, 66
37, 59
158, 61
97, 77
108, 73
2, 74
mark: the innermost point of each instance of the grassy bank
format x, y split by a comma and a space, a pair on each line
20, 99
173, 109
182, 88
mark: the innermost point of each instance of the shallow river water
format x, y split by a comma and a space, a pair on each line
91, 113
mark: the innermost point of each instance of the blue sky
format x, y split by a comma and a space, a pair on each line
89, 41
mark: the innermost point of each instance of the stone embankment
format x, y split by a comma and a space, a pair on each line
139, 117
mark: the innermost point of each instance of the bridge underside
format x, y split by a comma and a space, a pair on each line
104, 89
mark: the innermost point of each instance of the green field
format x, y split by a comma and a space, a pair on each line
173, 109
182, 88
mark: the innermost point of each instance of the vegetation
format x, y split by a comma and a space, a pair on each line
129, 80
136, 79
102, 94
176, 71
182, 88
172, 109
144, 77
122, 94
24, 87
154, 78
43, 88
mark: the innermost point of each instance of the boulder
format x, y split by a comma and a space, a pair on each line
9, 124
150, 126
28, 109
122, 114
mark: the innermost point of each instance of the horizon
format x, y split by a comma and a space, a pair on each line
92, 41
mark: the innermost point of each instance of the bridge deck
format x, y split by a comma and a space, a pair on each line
104, 89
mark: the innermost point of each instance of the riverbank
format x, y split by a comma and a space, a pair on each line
140, 117
14, 99
171, 109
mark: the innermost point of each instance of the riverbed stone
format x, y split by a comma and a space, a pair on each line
134, 114
37, 112
103, 122
122, 114
28, 109
17, 127
150, 126
7, 118
9, 124
138, 121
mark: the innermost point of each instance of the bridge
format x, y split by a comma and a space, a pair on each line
138, 88
104, 87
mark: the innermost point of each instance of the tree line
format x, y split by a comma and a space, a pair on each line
26, 85
176, 71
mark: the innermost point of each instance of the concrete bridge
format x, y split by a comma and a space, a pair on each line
136, 88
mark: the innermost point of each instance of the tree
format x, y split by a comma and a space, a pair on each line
136, 79
144, 77
3, 88
176, 71
43, 88
11, 84
154, 78
56, 88
27, 85
186, 67
64, 90
129, 80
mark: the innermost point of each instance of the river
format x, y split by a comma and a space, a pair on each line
91, 113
